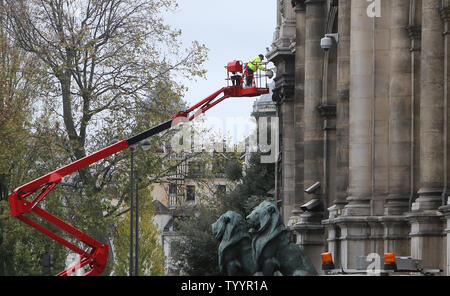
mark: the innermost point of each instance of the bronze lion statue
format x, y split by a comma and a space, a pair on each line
272, 249
235, 251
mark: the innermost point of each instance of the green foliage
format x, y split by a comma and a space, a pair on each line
20, 83
233, 170
196, 251
256, 186
151, 255
22, 247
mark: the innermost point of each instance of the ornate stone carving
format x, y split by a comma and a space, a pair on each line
284, 91
414, 32
445, 13
314, 1
327, 110
298, 4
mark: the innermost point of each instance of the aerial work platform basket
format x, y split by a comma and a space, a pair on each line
237, 74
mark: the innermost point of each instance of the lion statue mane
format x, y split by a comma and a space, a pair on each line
273, 251
235, 251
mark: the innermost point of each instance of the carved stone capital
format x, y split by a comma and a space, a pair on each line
284, 60
327, 110
284, 88
314, 1
414, 32
298, 4
445, 13
293, 45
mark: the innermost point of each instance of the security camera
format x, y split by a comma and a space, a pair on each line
327, 42
311, 206
311, 189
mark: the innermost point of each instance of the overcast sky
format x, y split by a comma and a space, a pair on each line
232, 30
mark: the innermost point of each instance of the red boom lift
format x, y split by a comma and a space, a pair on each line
38, 189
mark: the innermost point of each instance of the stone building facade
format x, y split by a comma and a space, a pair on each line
369, 120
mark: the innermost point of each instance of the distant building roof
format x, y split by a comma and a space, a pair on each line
265, 104
268, 97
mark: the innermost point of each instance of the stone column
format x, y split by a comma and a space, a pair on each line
327, 109
310, 231
395, 226
343, 93
431, 108
288, 148
380, 128
415, 32
445, 15
283, 94
299, 106
360, 109
445, 210
426, 225
354, 227
313, 149
342, 129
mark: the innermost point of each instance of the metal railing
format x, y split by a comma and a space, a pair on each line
260, 79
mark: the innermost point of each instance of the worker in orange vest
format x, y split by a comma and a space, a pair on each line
252, 66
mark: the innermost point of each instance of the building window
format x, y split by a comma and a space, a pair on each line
172, 189
172, 171
190, 193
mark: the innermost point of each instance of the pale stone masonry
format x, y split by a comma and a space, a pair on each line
369, 120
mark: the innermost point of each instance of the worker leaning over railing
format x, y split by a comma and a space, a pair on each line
253, 65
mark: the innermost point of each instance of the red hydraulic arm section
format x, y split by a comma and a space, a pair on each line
25, 199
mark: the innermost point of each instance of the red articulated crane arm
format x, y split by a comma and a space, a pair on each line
96, 257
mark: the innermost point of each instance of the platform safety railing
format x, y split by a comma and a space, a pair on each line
260, 79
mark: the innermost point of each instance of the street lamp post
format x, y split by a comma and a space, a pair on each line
137, 226
131, 207
145, 145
